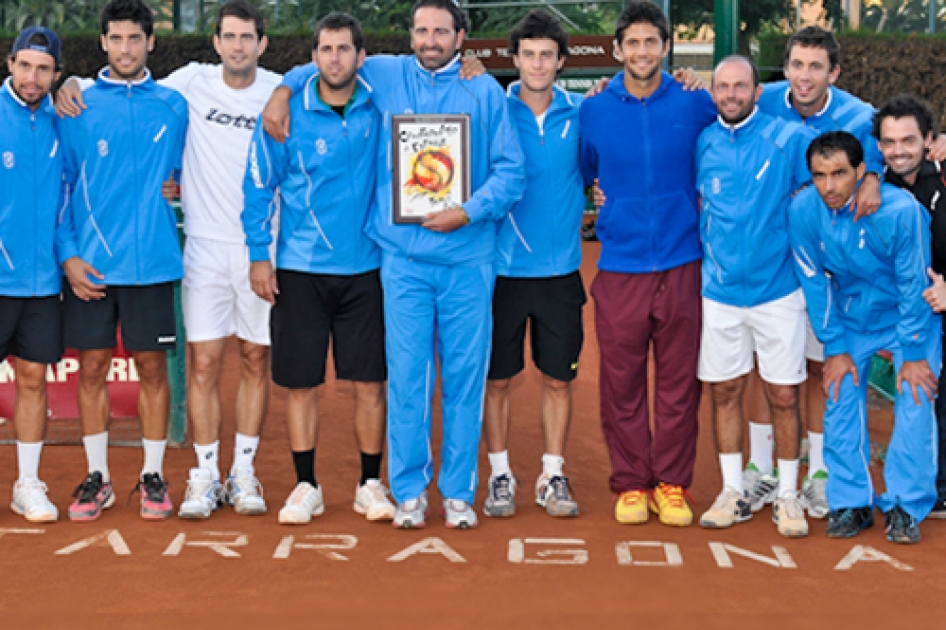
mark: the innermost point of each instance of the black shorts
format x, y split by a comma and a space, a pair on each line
552, 306
146, 314
31, 328
311, 308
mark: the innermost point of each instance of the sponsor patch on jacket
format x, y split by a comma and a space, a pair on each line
8, 160
321, 147
103, 148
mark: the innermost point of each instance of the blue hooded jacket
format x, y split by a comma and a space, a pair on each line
116, 155
31, 199
324, 173
540, 237
642, 153
747, 175
402, 86
867, 276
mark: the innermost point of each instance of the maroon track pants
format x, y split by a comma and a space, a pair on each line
633, 311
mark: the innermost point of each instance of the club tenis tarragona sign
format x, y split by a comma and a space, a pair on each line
584, 52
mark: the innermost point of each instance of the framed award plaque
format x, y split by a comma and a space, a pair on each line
431, 164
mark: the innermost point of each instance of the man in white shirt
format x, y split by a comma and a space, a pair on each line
224, 102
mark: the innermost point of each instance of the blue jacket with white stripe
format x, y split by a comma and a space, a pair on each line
842, 112
746, 177
540, 237
30, 198
325, 176
116, 156
867, 276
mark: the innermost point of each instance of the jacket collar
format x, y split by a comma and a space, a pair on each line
746, 124
311, 100
452, 68
827, 103
104, 78
927, 169
561, 99
616, 86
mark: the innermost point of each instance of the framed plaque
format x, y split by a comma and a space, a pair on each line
431, 164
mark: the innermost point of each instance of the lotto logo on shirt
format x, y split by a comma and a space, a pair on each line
240, 122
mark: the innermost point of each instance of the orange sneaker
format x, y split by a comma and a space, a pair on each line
670, 504
631, 507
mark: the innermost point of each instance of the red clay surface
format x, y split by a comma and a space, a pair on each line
201, 587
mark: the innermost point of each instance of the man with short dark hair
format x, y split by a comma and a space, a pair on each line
30, 280
864, 286
326, 285
438, 276
119, 249
647, 291
905, 127
537, 267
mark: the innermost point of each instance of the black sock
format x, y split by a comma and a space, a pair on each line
304, 461
370, 467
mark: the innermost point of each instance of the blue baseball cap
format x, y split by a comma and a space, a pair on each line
52, 47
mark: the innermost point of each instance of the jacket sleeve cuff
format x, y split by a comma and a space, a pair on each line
475, 210
836, 347
259, 253
66, 251
912, 351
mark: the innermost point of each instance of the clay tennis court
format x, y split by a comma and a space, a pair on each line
527, 572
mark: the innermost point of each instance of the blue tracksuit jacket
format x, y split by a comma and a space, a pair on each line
539, 238
322, 181
642, 152
116, 156
31, 197
746, 177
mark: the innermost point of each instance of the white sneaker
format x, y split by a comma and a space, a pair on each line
372, 500
412, 514
304, 503
30, 501
789, 516
244, 492
204, 495
459, 514
729, 508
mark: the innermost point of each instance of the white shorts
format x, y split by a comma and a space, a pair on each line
814, 349
774, 331
216, 294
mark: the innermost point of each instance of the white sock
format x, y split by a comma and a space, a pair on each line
760, 447
154, 456
731, 466
499, 464
816, 453
207, 458
787, 477
96, 453
27, 459
552, 465
244, 451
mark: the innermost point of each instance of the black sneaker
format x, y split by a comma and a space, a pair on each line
155, 501
901, 527
939, 508
849, 522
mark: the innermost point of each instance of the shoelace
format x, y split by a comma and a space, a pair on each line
154, 487
248, 484
560, 488
792, 506
674, 495
34, 493
630, 498
197, 488
87, 490
899, 519
501, 490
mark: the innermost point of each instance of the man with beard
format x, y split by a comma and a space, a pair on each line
864, 285
638, 138
905, 128
749, 165
119, 249
326, 284
30, 280
437, 276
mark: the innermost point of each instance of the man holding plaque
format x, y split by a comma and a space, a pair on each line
437, 274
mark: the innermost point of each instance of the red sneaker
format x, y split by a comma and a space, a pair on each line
155, 502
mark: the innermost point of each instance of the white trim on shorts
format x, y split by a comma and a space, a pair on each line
218, 300
774, 332
814, 349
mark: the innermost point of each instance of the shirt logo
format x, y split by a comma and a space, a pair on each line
103, 148
8, 160
321, 147
861, 244
408, 110
716, 186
